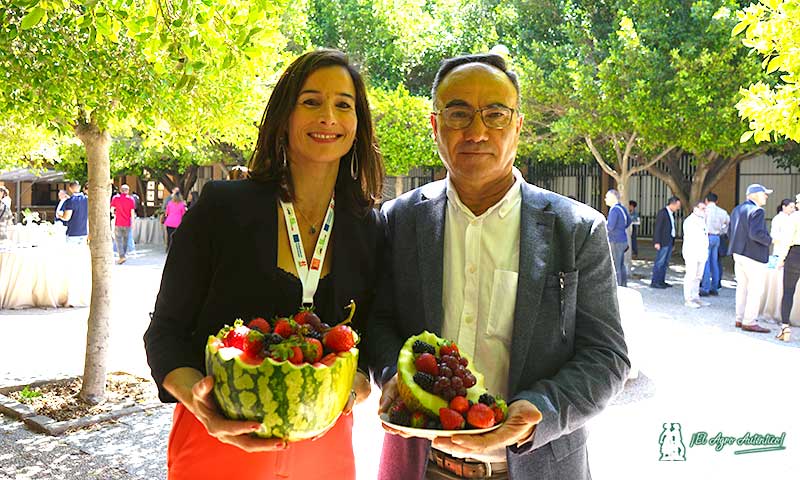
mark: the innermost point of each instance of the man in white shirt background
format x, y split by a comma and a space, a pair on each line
519, 277
717, 220
695, 254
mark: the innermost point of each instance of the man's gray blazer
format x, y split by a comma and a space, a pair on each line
568, 354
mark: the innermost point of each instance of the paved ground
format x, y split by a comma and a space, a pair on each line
696, 370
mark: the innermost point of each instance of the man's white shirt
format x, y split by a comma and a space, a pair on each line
479, 289
717, 219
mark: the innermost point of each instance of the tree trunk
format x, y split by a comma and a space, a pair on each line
97, 145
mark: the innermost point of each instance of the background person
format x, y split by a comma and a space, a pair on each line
633, 210
315, 138
717, 221
787, 249
123, 208
6, 215
76, 213
174, 214
695, 254
749, 244
62, 199
664, 241
618, 222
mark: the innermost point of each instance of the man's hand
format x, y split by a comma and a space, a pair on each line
389, 394
523, 416
232, 432
657, 246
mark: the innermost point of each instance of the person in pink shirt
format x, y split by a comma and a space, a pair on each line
123, 208
176, 207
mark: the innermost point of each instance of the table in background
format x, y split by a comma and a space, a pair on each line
48, 276
148, 230
42, 234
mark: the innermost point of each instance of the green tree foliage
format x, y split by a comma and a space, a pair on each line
402, 125
772, 28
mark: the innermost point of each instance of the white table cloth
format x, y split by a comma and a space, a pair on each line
37, 235
632, 314
772, 296
148, 230
52, 276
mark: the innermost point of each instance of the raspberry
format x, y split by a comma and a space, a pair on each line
422, 347
487, 400
424, 380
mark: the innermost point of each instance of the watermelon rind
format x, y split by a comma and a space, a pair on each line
292, 402
415, 398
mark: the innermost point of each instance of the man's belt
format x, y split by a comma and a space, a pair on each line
466, 467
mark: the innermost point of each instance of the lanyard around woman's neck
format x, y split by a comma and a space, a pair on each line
309, 274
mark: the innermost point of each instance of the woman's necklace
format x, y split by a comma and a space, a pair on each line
313, 229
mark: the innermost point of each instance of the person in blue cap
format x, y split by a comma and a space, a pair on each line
749, 245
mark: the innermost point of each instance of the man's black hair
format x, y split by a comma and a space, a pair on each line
711, 197
673, 199
633, 202
491, 59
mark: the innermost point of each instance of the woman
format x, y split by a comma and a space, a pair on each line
780, 229
5, 212
788, 251
174, 214
233, 260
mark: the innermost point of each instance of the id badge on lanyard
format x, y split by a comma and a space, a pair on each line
309, 273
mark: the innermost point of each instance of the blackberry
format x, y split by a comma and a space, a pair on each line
487, 400
400, 416
272, 338
425, 380
422, 347
314, 334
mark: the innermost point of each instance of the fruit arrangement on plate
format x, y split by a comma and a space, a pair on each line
439, 393
294, 375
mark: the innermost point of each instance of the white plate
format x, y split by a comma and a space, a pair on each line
430, 434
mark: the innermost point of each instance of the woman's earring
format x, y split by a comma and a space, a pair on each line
354, 165
283, 154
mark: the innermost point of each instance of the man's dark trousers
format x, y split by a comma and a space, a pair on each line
661, 264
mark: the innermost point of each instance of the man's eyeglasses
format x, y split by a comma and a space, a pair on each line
459, 117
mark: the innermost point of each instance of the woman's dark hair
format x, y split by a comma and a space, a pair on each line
784, 203
266, 163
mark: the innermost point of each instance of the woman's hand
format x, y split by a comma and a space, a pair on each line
196, 396
360, 391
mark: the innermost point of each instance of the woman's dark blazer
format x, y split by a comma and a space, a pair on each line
222, 266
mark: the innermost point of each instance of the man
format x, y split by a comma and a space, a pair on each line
695, 253
618, 222
124, 210
169, 197
75, 212
663, 241
749, 244
633, 210
717, 220
521, 278
62, 199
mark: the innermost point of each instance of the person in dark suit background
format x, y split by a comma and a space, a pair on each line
664, 241
749, 245
234, 259
520, 277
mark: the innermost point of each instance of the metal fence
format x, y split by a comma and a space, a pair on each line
581, 181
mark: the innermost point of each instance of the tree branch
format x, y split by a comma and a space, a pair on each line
645, 166
597, 156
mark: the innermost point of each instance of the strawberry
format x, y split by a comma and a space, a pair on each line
339, 339
284, 327
297, 356
328, 359
448, 348
235, 337
427, 363
253, 343
418, 420
451, 420
499, 415
312, 350
259, 324
480, 416
459, 404
306, 316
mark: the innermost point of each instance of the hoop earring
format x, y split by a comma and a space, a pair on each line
354, 165
283, 154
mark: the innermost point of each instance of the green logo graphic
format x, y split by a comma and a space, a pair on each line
671, 443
